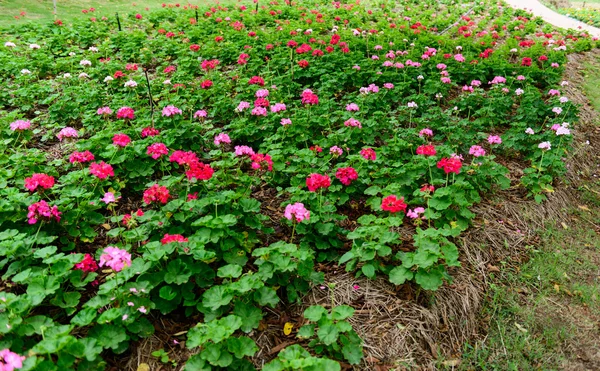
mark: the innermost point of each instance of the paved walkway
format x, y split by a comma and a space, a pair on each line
552, 17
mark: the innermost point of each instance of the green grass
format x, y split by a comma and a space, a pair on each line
545, 314
592, 82
539, 312
41, 10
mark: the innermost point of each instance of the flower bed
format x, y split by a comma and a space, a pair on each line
208, 163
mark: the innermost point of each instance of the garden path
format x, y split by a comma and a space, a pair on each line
553, 17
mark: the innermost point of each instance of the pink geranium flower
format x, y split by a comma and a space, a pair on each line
296, 212
115, 258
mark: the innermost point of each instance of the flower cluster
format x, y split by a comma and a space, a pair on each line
41, 210
317, 181
393, 204
115, 258
296, 212
156, 193
41, 180
169, 238
346, 175
88, 264
101, 169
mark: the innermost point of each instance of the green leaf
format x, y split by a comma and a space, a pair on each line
328, 333
230, 271
306, 331
314, 313
216, 355
250, 315
215, 331
167, 293
216, 297
177, 272
325, 228
241, 347
266, 296
341, 312
368, 270
351, 349
429, 280
196, 363
372, 191
399, 275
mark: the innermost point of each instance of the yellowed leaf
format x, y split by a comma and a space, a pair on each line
564, 225
556, 287
287, 328
106, 226
143, 367
180, 333
583, 207
521, 328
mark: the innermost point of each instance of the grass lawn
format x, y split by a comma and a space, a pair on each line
42, 10
545, 314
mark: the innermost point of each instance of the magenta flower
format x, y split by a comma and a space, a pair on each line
426, 133
67, 132
353, 122
278, 107
41, 210
121, 140
222, 138
352, 107
296, 212
20, 125
243, 150
156, 150
477, 151
200, 114
259, 111
109, 197
115, 258
101, 169
242, 106
262, 93
126, 113
336, 151
169, 111
104, 111
10, 361
494, 139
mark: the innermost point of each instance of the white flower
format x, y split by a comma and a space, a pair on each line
83, 75
167, 82
420, 77
67, 75
412, 105
513, 50
563, 99
25, 71
130, 84
9, 44
545, 145
519, 91
564, 83
93, 49
563, 131
85, 62
72, 54
529, 131
34, 46
108, 79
